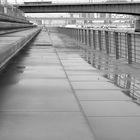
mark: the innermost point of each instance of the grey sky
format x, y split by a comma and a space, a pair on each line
55, 1
66, 1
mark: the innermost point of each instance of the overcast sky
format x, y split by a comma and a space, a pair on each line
21, 1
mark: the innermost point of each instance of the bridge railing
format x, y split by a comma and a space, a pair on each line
124, 46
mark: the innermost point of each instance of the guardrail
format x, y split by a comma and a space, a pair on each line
116, 44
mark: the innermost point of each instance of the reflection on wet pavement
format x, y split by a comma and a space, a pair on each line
127, 81
102, 89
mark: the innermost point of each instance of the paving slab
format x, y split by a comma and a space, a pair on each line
87, 78
93, 85
116, 128
101, 95
43, 125
82, 72
38, 101
110, 108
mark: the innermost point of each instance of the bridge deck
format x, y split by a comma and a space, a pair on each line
50, 93
104, 7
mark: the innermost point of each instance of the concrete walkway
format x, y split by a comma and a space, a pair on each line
50, 93
36, 99
111, 114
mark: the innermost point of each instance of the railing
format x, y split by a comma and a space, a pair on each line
116, 45
119, 45
87, 1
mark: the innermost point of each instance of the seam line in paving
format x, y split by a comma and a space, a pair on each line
107, 100
129, 116
81, 109
101, 89
37, 111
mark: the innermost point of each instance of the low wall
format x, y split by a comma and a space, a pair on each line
2, 32
11, 25
7, 51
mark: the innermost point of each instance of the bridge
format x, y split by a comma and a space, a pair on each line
132, 8
76, 18
68, 83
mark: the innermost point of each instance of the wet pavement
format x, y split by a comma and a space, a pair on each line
49, 92
36, 99
106, 90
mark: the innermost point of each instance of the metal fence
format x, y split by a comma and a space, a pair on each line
119, 45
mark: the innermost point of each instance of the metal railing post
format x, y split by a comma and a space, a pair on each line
99, 40
86, 44
85, 36
107, 42
129, 45
82, 35
94, 40
116, 45
89, 45
76, 34
78, 37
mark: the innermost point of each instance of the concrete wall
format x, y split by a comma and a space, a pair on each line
9, 47
11, 25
